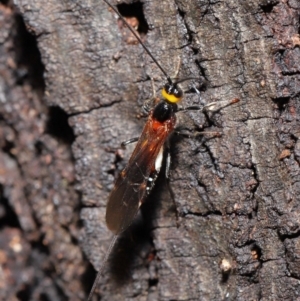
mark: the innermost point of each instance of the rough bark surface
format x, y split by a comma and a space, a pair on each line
225, 225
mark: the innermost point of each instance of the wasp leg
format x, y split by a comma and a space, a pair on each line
129, 141
168, 163
218, 105
194, 107
188, 134
151, 102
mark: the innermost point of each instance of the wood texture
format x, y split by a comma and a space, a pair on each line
225, 226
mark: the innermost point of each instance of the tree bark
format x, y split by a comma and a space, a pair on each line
225, 224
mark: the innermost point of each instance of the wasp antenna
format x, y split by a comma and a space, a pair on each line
140, 41
185, 79
96, 282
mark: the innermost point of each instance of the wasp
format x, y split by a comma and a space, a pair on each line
137, 179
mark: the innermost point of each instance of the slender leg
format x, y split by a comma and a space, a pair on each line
129, 141
189, 134
219, 105
151, 102
168, 163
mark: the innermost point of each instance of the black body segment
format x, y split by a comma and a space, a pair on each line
163, 111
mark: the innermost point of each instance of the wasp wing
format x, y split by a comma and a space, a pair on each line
130, 187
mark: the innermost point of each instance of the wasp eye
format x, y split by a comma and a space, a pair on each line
178, 92
168, 88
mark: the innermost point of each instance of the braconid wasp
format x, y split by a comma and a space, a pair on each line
137, 179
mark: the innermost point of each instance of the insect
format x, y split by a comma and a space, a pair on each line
137, 179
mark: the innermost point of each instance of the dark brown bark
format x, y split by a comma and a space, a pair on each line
225, 226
